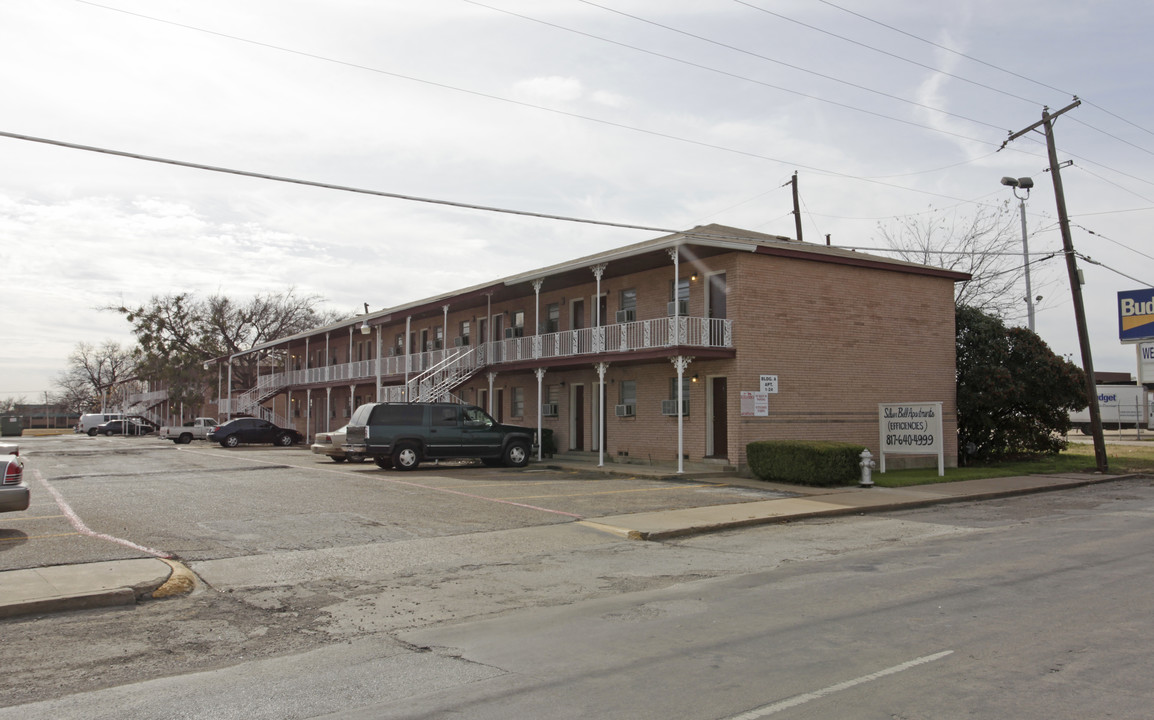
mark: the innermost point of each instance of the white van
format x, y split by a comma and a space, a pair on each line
89, 421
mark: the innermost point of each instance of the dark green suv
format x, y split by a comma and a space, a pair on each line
401, 435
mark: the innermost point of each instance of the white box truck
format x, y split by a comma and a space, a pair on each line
1121, 407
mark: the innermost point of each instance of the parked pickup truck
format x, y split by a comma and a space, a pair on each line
193, 429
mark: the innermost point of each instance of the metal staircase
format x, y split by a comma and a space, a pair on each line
250, 401
436, 383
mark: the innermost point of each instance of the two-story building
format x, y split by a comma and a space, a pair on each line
645, 353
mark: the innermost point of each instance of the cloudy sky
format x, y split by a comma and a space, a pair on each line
658, 113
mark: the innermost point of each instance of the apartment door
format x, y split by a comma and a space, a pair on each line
577, 314
577, 417
718, 441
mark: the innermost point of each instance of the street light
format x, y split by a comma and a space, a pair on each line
365, 329
1025, 183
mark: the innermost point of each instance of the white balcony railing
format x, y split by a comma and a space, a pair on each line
609, 339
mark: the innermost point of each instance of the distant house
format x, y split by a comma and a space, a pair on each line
639, 352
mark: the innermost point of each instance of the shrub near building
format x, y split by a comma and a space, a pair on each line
823, 464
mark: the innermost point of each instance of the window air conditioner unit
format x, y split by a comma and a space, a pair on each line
628, 410
549, 409
677, 307
624, 316
392, 352
458, 341
514, 332
669, 407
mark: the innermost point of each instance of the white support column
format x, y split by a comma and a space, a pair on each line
598, 333
328, 407
680, 362
327, 356
601, 368
307, 378
445, 331
408, 353
352, 399
492, 377
540, 372
308, 413
229, 389
537, 319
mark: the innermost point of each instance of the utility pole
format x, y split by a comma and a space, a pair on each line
796, 207
1047, 122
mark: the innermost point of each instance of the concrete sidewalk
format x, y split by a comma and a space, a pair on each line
821, 502
78, 587
124, 582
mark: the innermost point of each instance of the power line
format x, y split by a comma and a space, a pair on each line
520, 103
327, 186
784, 64
982, 62
887, 53
760, 82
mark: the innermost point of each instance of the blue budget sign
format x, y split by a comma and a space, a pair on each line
1135, 315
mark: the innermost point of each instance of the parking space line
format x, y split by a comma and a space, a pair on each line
40, 517
83, 529
796, 700
434, 488
611, 492
38, 537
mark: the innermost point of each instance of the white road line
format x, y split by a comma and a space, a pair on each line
796, 700
83, 529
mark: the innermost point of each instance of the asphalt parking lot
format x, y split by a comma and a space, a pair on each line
99, 498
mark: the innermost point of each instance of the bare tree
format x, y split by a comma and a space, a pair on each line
8, 404
96, 376
987, 245
178, 333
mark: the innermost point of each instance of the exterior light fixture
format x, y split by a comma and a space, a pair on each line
1025, 183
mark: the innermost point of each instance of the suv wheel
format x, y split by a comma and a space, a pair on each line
284, 439
517, 454
406, 456
230, 441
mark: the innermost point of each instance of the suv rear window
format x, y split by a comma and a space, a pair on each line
398, 415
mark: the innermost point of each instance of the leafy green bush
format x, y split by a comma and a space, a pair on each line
823, 464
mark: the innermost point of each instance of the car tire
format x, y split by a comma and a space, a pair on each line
517, 454
406, 456
184, 439
337, 458
355, 458
284, 440
91, 432
230, 441
107, 433
384, 463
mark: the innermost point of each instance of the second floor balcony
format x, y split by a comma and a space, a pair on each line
584, 345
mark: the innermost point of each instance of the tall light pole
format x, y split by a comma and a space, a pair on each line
1047, 123
1025, 183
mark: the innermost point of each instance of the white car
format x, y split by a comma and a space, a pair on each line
330, 443
14, 494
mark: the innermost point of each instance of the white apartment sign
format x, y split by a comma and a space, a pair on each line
911, 429
754, 404
769, 384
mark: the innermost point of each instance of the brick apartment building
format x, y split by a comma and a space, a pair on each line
620, 336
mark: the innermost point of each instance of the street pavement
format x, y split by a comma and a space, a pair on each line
124, 582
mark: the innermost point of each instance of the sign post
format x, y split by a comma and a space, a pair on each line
911, 429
